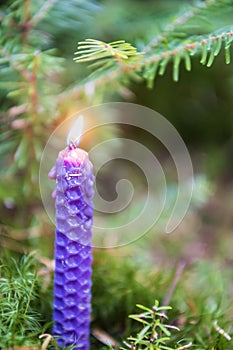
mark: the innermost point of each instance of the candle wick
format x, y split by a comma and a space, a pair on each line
72, 145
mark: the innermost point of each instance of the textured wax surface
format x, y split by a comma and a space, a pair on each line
74, 217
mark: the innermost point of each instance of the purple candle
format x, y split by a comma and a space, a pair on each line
73, 250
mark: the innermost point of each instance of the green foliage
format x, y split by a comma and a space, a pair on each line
208, 308
125, 281
204, 318
155, 334
29, 84
201, 303
40, 86
20, 322
209, 47
32, 75
171, 46
92, 50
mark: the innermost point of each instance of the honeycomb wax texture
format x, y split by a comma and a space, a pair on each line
73, 248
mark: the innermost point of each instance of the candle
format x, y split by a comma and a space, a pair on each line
74, 216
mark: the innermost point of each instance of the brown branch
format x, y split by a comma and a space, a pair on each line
176, 279
33, 92
26, 21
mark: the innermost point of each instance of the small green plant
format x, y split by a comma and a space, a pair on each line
20, 321
155, 334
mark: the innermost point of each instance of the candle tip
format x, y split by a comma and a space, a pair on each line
75, 132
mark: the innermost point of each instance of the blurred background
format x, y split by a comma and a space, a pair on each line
41, 86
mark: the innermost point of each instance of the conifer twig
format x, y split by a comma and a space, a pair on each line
185, 48
177, 22
45, 8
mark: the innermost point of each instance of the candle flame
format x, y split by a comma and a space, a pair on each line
75, 132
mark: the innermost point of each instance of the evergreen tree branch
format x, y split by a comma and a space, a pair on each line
180, 20
42, 12
164, 48
208, 46
149, 65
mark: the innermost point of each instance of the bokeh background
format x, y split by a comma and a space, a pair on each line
41, 86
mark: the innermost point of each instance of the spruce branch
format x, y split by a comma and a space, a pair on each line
166, 48
179, 21
207, 46
45, 8
147, 66
106, 54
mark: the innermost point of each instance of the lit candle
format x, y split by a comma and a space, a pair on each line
73, 257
